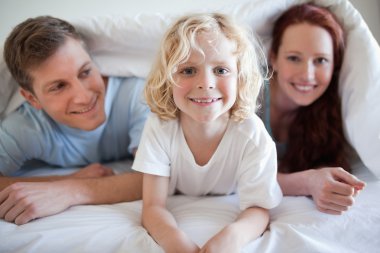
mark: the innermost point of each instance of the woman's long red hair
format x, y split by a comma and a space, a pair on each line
315, 137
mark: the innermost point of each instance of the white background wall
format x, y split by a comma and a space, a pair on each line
370, 10
13, 12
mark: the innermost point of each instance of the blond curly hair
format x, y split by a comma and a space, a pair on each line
175, 49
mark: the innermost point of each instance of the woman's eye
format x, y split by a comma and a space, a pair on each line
188, 71
321, 60
293, 58
221, 71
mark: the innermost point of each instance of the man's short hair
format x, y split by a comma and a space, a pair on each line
33, 41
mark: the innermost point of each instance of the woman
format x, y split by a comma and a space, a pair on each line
302, 108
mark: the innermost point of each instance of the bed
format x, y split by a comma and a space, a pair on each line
296, 225
126, 46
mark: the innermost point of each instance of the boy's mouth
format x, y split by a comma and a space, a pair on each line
204, 100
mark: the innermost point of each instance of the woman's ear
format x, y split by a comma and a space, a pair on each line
31, 98
273, 61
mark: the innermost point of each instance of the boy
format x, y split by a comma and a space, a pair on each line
73, 117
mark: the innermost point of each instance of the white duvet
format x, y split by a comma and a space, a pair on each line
126, 46
296, 226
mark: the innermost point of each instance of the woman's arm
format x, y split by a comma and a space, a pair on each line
332, 188
158, 221
249, 225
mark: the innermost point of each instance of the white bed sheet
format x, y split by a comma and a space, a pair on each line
296, 225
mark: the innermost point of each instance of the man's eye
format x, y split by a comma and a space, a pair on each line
85, 73
57, 87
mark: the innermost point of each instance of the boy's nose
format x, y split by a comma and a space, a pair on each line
206, 81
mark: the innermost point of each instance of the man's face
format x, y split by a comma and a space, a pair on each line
69, 88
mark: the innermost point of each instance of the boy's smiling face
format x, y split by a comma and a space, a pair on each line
207, 84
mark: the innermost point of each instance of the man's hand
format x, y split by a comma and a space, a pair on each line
36, 197
22, 202
93, 170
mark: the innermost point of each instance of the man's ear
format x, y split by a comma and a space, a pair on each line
31, 98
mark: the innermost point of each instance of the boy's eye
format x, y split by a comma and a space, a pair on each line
188, 71
220, 71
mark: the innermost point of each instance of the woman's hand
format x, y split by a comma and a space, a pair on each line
333, 189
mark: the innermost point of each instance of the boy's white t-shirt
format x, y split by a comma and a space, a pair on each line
244, 162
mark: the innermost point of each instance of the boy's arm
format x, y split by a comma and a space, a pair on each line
158, 221
22, 202
249, 225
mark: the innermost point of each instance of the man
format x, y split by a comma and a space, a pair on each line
73, 117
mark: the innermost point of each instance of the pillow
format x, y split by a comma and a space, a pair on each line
123, 46
126, 46
8, 88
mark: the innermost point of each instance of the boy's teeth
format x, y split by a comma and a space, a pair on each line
209, 100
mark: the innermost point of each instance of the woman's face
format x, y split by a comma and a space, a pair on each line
303, 65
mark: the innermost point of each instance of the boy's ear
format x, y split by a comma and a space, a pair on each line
31, 98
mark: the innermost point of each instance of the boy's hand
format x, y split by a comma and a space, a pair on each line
222, 242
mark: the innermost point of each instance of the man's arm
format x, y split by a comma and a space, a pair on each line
92, 170
22, 202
